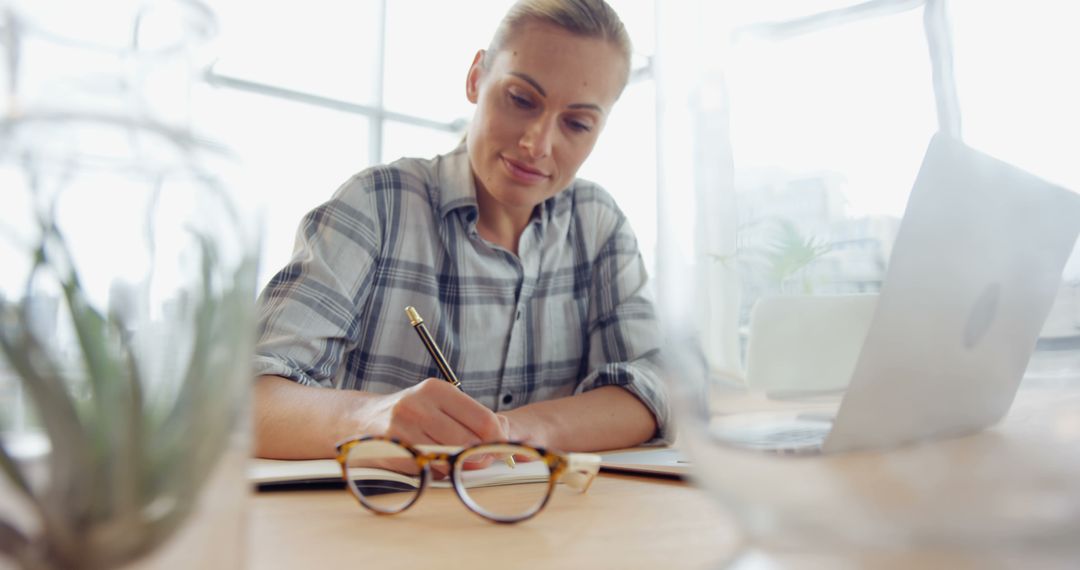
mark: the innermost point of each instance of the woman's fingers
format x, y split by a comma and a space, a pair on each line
435, 411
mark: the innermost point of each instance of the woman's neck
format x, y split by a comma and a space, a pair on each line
501, 229
498, 224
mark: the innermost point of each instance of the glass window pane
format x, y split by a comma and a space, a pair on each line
325, 47
402, 139
639, 17
291, 158
624, 162
828, 130
773, 11
1018, 98
427, 58
854, 100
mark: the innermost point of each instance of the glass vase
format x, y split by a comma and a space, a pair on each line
126, 296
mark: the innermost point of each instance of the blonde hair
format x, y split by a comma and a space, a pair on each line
587, 18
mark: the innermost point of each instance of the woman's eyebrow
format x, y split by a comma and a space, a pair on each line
591, 106
536, 85
527, 79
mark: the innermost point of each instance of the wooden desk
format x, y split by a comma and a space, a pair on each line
638, 522
621, 522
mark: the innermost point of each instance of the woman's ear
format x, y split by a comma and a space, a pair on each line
472, 81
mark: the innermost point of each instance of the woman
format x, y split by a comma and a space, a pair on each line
530, 280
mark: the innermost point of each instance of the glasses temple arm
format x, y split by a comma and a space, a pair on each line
581, 469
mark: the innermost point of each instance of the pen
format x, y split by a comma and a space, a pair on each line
432, 348
444, 367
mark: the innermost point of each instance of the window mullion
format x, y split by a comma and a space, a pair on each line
939, 43
375, 132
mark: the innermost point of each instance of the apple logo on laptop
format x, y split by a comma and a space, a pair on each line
982, 315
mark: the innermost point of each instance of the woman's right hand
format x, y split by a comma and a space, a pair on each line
433, 411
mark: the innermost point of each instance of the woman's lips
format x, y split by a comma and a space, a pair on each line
523, 173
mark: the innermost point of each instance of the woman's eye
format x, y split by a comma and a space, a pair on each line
521, 102
578, 126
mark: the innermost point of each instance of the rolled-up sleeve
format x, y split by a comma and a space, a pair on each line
307, 314
624, 335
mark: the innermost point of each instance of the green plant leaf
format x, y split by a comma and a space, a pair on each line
791, 252
60, 506
11, 469
16, 545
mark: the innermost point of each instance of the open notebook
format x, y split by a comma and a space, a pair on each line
662, 461
268, 474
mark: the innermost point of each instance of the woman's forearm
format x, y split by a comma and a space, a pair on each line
293, 421
605, 418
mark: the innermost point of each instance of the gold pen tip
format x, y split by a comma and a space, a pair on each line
414, 317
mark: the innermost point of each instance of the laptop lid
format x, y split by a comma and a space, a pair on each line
973, 274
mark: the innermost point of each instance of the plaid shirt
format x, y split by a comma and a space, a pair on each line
569, 314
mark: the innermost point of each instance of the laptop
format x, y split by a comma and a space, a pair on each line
973, 274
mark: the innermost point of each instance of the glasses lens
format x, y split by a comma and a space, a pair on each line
384, 475
484, 475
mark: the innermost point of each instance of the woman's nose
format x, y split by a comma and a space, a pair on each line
537, 138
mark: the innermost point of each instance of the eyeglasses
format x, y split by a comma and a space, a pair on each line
388, 476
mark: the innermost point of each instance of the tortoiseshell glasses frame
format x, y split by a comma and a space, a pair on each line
387, 476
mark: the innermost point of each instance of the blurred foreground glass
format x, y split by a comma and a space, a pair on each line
815, 146
1010, 491
388, 476
125, 296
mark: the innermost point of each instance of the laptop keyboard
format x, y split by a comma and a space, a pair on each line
777, 439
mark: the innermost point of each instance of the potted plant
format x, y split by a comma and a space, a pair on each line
126, 465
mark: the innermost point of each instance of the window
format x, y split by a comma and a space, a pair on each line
793, 131
828, 128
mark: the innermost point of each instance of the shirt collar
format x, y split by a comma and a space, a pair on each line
457, 189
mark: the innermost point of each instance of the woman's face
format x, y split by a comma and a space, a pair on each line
542, 100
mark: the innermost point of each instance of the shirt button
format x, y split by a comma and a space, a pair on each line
507, 398
517, 316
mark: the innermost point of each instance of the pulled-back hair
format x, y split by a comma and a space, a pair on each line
587, 18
